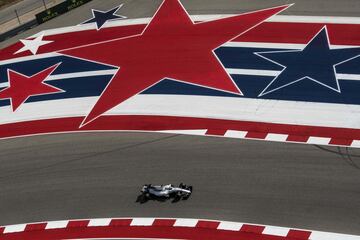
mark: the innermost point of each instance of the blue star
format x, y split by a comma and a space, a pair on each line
101, 17
316, 62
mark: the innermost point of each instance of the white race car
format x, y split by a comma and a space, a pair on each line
164, 192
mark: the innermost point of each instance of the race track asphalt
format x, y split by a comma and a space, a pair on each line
93, 175
100, 174
146, 8
21, 7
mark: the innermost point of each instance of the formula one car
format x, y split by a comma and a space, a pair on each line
164, 192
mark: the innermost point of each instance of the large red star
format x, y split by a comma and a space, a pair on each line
22, 87
171, 46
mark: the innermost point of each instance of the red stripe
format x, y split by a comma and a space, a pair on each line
164, 222
297, 138
120, 222
77, 223
216, 132
61, 41
298, 234
302, 33
159, 123
208, 232
343, 142
256, 135
273, 32
252, 228
35, 226
207, 224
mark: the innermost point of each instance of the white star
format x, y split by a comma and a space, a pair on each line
33, 45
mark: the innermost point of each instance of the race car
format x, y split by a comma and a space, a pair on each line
164, 192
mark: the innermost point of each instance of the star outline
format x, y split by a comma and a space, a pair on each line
27, 41
338, 89
117, 8
27, 77
85, 121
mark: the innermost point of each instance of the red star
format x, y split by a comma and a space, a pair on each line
171, 46
22, 87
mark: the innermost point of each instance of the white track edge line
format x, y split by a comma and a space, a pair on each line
206, 17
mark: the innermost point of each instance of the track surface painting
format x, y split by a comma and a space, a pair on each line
152, 228
255, 75
242, 76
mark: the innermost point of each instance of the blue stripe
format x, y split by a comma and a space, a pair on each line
245, 58
74, 88
68, 65
251, 86
180, 88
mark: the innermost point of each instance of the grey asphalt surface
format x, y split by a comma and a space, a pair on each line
99, 175
146, 8
22, 7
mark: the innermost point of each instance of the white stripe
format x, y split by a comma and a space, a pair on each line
99, 222
82, 74
276, 231
235, 134
185, 222
314, 19
142, 221
15, 228
332, 236
285, 46
276, 137
229, 108
355, 77
186, 132
29, 58
233, 71
276, 18
355, 143
288, 18
318, 140
272, 73
57, 224
253, 72
231, 226
245, 109
73, 75
291, 46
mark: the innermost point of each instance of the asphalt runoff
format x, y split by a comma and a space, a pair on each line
146, 8
96, 175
